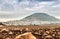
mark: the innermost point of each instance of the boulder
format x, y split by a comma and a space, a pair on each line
27, 35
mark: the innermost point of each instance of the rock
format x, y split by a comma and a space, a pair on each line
27, 35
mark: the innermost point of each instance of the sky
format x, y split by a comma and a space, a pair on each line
18, 9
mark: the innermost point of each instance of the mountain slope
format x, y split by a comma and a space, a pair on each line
41, 17
37, 18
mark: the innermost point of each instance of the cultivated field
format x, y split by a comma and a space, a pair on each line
33, 32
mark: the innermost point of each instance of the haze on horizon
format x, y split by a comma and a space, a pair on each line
18, 9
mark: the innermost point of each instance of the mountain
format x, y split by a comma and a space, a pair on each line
41, 17
37, 18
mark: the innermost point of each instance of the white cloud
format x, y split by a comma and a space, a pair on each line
5, 19
25, 7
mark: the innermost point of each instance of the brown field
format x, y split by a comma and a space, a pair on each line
38, 31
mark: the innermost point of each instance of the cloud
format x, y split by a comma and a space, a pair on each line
21, 8
14, 4
7, 7
37, 0
5, 19
46, 0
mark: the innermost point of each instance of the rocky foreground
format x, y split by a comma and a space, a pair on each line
35, 32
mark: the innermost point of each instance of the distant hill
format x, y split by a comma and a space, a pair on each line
41, 17
2, 24
34, 19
